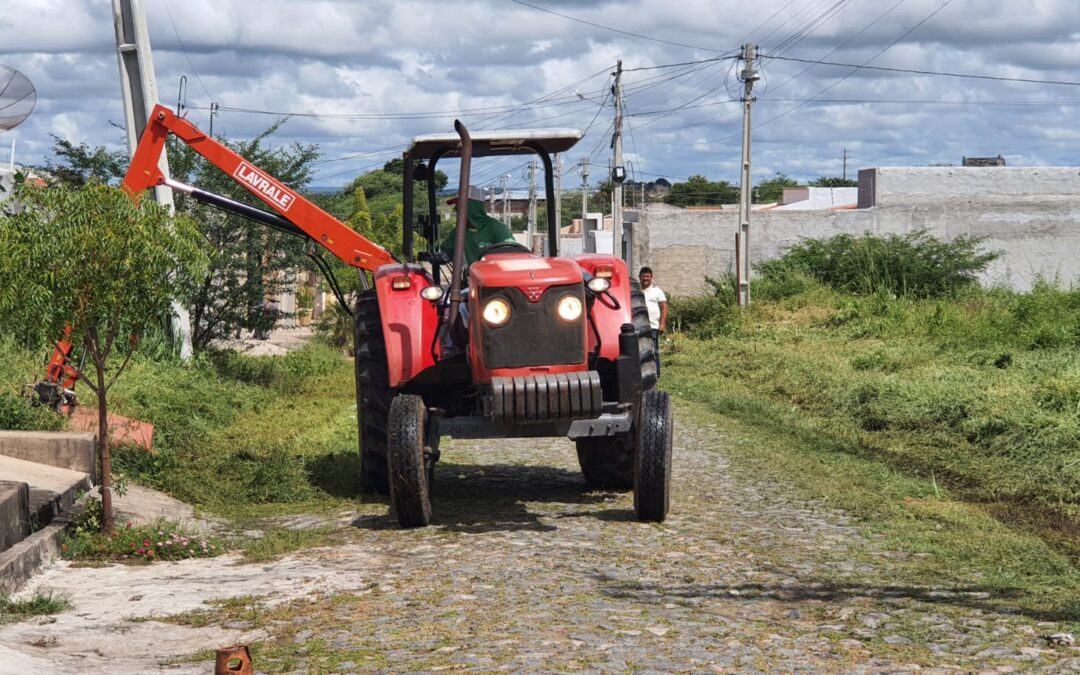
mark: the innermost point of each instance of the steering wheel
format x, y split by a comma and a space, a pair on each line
506, 247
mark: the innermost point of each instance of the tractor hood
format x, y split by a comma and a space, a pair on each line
524, 271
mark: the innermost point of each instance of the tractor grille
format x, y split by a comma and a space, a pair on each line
541, 398
534, 335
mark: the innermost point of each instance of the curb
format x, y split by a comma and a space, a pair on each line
21, 561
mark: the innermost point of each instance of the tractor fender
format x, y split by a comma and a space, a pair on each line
408, 321
609, 317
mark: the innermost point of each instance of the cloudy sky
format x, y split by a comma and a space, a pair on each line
364, 76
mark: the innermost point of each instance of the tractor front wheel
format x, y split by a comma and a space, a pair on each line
652, 463
409, 489
608, 461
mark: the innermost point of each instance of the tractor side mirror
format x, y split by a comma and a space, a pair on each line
420, 171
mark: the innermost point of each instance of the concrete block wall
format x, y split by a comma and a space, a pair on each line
1031, 215
66, 450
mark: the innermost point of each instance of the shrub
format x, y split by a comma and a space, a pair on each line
915, 264
705, 317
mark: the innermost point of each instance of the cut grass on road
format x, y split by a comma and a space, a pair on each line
950, 427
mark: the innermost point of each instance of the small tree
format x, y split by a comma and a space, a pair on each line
834, 182
248, 261
93, 259
772, 189
700, 191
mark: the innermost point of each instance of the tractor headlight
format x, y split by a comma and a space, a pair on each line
570, 308
496, 312
599, 284
431, 293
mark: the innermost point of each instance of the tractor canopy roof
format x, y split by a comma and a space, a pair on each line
491, 143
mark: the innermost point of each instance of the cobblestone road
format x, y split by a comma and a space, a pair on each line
524, 570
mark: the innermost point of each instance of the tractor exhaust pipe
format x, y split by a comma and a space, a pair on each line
462, 217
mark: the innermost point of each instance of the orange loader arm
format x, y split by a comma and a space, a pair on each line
143, 173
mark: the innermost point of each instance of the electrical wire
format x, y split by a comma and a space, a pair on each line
613, 30
184, 49
915, 71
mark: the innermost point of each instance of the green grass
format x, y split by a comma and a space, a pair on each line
18, 367
951, 426
278, 541
246, 437
40, 604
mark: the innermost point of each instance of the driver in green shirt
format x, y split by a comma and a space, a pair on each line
481, 231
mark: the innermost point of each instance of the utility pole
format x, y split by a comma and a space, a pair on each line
749, 76
532, 203
618, 171
139, 90
506, 199
584, 171
558, 204
845, 163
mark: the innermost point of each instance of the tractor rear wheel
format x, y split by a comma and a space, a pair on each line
409, 489
373, 393
652, 463
608, 461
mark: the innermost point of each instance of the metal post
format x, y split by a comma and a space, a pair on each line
617, 171
139, 89
748, 76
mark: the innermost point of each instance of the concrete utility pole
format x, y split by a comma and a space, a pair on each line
139, 90
506, 198
532, 203
618, 171
749, 76
845, 163
558, 203
584, 171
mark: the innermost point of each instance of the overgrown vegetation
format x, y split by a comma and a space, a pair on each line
957, 405
915, 264
261, 436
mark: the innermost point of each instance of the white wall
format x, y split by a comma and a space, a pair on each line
1032, 215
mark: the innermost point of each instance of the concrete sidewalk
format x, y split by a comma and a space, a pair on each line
41, 475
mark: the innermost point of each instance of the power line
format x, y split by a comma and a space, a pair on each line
940, 73
831, 101
682, 63
613, 30
184, 49
855, 68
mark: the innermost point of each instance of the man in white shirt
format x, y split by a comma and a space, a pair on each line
656, 303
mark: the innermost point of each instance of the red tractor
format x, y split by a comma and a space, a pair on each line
514, 345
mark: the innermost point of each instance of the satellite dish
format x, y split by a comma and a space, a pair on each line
17, 98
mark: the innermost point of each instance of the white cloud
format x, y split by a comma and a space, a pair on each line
476, 59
